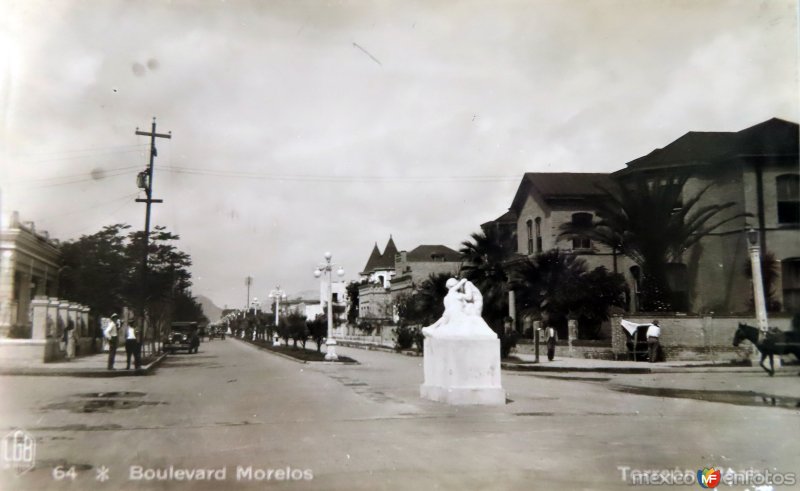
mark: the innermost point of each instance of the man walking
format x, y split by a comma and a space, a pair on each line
111, 332
551, 336
653, 341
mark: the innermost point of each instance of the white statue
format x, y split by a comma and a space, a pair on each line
462, 313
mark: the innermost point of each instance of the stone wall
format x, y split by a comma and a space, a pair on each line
694, 337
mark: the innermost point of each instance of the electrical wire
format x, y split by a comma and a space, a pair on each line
331, 178
107, 175
92, 207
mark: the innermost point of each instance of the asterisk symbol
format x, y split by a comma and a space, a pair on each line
102, 474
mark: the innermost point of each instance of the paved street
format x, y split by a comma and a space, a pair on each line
364, 426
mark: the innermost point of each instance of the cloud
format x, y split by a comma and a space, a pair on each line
255, 91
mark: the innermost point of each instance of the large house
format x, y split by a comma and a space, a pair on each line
756, 167
374, 296
393, 273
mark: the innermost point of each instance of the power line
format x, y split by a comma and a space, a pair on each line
334, 178
73, 176
88, 208
68, 153
82, 179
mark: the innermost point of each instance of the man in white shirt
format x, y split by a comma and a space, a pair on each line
132, 347
653, 341
111, 332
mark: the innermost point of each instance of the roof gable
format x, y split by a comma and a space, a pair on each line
770, 138
374, 259
561, 185
426, 252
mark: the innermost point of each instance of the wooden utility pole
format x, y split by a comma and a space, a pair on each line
248, 281
147, 185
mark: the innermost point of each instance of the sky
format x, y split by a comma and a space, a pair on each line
300, 127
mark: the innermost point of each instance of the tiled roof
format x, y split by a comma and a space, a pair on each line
386, 260
561, 185
426, 252
373, 260
568, 184
772, 137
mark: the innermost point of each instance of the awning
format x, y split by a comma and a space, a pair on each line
629, 326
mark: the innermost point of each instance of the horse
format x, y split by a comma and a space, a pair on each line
775, 342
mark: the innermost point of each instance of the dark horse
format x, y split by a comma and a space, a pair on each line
774, 342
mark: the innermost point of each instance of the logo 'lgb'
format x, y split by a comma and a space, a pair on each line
708, 478
18, 451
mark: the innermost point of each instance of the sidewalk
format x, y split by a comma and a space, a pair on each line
84, 366
525, 363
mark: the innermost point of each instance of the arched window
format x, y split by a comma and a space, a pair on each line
529, 230
538, 234
581, 220
788, 196
790, 279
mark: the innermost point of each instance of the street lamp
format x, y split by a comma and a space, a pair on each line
326, 268
277, 294
256, 305
758, 285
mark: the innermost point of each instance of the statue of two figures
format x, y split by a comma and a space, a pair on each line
463, 305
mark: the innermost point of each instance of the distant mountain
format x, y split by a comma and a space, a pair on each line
305, 295
211, 311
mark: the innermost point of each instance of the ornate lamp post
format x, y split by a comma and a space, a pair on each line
277, 294
758, 283
326, 268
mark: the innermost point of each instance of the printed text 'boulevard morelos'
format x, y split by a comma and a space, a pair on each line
239, 473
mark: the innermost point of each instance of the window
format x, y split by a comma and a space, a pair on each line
581, 220
529, 229
538, 234
790, 277
788, 193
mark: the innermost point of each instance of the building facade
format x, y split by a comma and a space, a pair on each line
29, 267
756, 168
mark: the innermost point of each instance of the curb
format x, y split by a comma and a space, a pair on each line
376, 347
83, 372
297, 360
518, 367
261, 348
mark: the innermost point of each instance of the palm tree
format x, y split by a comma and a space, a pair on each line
648, 222
427, 302
483, 264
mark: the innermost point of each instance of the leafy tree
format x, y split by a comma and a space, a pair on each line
649, 222
318, 330
294, 328
483, 260
104, 271
353, 305
95, 270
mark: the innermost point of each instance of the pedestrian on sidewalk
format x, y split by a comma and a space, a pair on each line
653, 341
111, 332
551, 336
132, 348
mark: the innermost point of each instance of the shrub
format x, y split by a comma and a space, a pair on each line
365, 327
508, 341
419, 339
403, 337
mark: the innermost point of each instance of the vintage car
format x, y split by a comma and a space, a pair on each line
182, 336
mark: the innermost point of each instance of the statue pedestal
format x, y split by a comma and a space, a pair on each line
462, 371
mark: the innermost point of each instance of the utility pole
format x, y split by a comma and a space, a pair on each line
145, 181
248, 281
